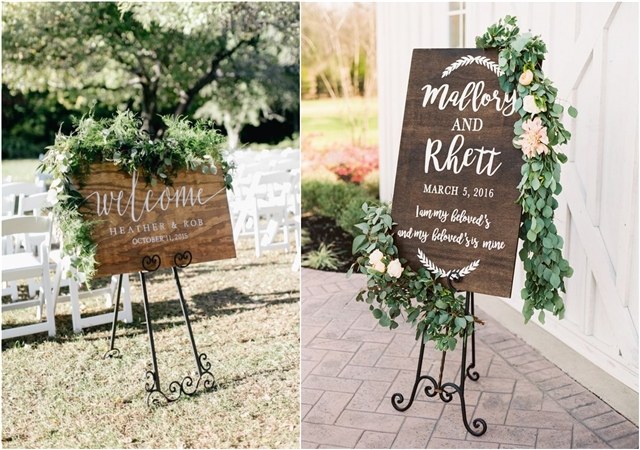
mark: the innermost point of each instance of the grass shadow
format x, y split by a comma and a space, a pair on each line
165, 314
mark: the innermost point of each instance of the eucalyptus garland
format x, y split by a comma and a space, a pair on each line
395, 289
120, 141
538, 132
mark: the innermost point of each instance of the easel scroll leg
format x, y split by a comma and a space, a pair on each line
479, 425
152, 383
430, 390
203, 366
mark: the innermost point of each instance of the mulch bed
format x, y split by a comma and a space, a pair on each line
324, 229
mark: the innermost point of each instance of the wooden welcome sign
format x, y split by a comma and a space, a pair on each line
133, 220
456, 183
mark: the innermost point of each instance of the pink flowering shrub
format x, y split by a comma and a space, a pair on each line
353, 163
349, 162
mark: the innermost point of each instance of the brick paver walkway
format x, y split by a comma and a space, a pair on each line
351, 367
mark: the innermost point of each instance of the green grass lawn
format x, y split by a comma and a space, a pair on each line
328, 121
19, 169
245, 316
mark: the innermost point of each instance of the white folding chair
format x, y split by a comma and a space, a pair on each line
11, 192
26, 265
77, 294
269, 206
32, 205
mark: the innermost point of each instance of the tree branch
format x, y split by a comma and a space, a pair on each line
186, 98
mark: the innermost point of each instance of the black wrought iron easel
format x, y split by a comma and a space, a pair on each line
188, 386
446, 390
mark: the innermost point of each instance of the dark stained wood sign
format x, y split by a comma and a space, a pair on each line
134, 220
457, 176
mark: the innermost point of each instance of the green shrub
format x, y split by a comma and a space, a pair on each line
371, 183
353, 214
322, 258
339, 200
329, 198
14, 147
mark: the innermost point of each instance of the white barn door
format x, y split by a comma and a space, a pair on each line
593, 60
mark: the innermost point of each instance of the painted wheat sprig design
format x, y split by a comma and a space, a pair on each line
454, 274
469, 59
461, 273
431, 267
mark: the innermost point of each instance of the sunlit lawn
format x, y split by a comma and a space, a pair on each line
327, 121
60, 392
19, 169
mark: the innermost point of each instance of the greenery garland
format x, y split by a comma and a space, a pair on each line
438, 312
121, 141
538, 132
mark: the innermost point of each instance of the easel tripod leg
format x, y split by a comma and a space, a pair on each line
397, 399
446, 391
152, 384
114, 352
472, 374
202, 364
479, 425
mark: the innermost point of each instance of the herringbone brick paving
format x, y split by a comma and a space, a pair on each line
351, 367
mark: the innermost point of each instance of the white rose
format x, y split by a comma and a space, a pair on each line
375, 256
378, 266
529, 104
395, 268
526, 78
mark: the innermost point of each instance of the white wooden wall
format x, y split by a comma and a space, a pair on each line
593, 60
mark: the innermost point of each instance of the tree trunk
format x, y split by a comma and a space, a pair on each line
233, 136
148, 109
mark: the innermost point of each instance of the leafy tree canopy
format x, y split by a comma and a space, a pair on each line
156, 58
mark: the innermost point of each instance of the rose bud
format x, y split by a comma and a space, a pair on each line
526, 78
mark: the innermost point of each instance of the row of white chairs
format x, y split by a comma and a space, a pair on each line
28, 256
265, 202
14, 195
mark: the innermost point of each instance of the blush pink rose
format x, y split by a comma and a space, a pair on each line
526, 78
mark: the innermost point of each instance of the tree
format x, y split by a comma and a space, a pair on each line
339, 50
156, 58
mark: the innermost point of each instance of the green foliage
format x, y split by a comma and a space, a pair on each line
371, 183
305, 238
541, 251
323, 258
352, 214
29, 122
339, 200
157, 59
436, 312
121, 141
